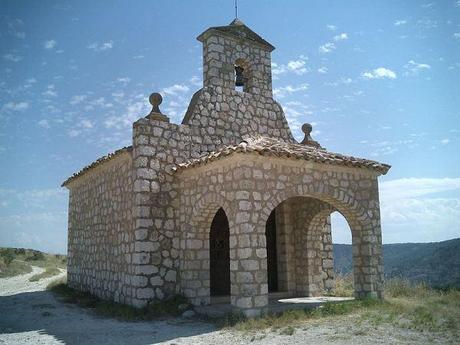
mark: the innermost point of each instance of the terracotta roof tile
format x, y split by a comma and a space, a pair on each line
96, 163
275, 148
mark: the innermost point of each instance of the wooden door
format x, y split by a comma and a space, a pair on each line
219, 255
272, 260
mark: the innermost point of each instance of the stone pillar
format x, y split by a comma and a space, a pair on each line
285, 242
368, 262
367, 243
327, 255
157, 146
248, 258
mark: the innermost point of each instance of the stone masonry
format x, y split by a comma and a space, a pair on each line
139, 219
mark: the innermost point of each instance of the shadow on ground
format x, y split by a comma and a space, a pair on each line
38, 317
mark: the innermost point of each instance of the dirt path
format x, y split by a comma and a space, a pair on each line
21, 283
30, 315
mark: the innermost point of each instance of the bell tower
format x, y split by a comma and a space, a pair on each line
236, 58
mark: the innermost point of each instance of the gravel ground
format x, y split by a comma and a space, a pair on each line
30, 315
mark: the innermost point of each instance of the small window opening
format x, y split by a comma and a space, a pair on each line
241, 75
240, 80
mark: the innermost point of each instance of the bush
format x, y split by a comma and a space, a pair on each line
36, 256
8, 255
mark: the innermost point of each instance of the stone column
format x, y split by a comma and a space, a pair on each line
367, 243
248, 258
157, 146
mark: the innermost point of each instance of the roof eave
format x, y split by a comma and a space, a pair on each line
207, 32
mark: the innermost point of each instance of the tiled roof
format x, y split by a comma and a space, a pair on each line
97, 163
275, 148
239, 30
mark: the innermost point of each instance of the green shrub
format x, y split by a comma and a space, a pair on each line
8, 255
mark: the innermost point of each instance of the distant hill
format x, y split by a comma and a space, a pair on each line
436, 263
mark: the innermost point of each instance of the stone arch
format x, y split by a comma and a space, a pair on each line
367, 265
338, 198
195, 264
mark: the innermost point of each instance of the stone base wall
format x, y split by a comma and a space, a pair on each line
100, 237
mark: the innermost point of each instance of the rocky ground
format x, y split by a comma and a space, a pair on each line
31, 315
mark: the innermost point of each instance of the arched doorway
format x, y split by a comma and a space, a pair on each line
272, 256
219, 255
299, 244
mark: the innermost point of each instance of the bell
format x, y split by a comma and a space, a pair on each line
239, 81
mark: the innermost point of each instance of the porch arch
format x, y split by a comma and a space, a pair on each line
365, 229
195, 264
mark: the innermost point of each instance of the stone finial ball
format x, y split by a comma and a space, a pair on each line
155, 99
307, 128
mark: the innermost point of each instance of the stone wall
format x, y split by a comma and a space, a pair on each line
100, 236
249, 187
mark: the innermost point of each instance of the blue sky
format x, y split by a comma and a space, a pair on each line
377, 79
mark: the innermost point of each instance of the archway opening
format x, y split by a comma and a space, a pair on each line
272, 257
300, 251
219, 255
241, 75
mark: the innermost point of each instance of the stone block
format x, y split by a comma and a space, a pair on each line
145, 293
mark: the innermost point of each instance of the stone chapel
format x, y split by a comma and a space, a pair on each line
227, 203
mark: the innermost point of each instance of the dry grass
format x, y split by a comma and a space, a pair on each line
171, 307
408, 306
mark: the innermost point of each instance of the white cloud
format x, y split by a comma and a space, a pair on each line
342, 37
342, 80
124, 80
322, 70
85, 123
416, 210
380, 73
34, 218
278, 69
73, 133
175, 89
413, 68
50, 91
77, 99
331, 27
196, 81
280, 92
50, 44
19, 106
327, 48
135, 108
445, 141
44, 124
12, 57
98, 47
297, 66
457, 35
400, 22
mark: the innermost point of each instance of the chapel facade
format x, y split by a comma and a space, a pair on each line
227, 203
